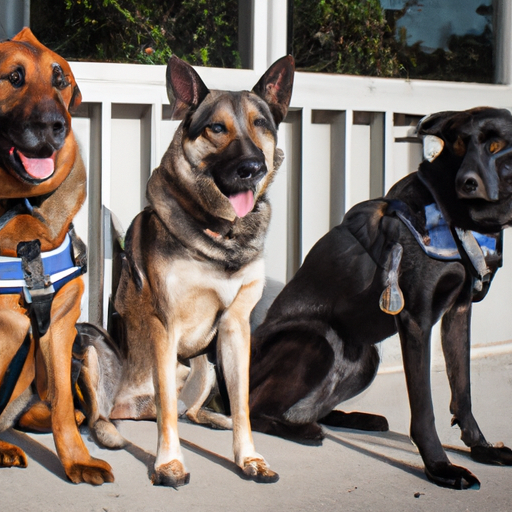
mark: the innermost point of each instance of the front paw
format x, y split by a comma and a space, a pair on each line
257, 470
448, 475
489, 454
12, 456
94, 472
172, 474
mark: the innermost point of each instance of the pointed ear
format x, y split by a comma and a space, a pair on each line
25, 34
185, 89
275, 87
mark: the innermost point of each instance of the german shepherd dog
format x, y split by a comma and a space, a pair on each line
193, 269
42, 187
378, 273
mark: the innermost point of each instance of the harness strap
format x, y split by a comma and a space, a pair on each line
39, 291
458, 244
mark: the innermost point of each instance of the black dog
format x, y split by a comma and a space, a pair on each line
380, 272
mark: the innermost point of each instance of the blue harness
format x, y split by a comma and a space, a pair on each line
442, 243
39, 275
58, 266
437, 239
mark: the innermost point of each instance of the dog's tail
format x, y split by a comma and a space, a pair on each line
98, 382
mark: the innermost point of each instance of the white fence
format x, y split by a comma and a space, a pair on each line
346, 139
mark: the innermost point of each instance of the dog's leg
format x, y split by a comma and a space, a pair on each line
11, 455
14, 326
456, 347
234, 350
98, 398
415, 341
56, 346
169, 464
198, 387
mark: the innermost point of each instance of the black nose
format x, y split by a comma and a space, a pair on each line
471, 186
250, 169
53, 129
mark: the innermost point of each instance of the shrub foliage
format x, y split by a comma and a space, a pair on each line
332, 36
202, 32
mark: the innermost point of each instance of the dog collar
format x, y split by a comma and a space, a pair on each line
441, 241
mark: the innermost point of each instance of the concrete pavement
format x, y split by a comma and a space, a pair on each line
352, 471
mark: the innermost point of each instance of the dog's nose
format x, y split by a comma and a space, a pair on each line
250, 169
471, 186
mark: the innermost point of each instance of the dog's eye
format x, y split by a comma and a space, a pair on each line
218, 128
496, 145
16, 78
261, 121
459, 147
59, 79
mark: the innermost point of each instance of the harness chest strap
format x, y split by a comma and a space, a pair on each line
55, 268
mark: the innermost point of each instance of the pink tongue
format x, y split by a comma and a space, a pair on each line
38, 168
242, 203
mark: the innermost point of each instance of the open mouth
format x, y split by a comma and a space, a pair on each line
32, 170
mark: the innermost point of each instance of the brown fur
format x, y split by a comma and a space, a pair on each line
42, 96
194, 264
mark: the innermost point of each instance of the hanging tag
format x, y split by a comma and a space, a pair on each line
392, 299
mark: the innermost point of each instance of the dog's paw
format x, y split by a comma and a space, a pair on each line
94, 472
448, 475
257, 470
172, 474
107, 435
12, 456
497, 454
356, 420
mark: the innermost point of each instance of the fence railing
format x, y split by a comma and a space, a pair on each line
346, 139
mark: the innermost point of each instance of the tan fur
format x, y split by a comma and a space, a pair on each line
194, 269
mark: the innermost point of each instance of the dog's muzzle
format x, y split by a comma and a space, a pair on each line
472, 184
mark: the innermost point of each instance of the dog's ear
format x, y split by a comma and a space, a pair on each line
25, 34
276, 85
434, 124
76, 98
440, 129
185, 88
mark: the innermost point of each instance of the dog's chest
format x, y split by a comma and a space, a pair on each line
198, 294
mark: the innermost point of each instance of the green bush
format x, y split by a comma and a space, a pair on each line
332, 36
343, 36
202, 32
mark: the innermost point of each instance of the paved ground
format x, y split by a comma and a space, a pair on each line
352, 471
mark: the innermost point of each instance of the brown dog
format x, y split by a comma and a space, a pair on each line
194, 266
42, 187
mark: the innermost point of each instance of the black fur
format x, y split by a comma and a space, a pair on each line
316, 349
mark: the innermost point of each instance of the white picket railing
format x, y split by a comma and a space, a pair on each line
346, 139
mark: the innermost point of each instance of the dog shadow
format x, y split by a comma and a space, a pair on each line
372, 444
36, 451
148, 459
